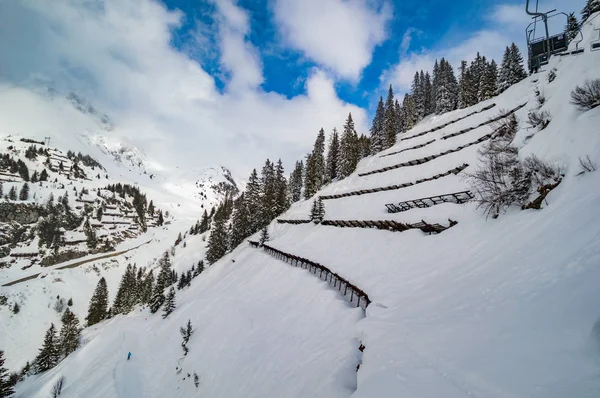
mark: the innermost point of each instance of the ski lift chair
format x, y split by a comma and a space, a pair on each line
540, 49
595, 44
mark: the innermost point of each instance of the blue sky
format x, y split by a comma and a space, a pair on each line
434, 24
203, 82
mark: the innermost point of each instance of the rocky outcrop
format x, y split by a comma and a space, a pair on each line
20, 212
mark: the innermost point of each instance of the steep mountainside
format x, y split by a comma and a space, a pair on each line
404, 289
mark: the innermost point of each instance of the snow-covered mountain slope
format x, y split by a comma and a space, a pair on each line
74, 127
488, 308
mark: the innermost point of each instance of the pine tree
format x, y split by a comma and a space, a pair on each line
186, 333
49, 354
503, 73
331, 172
253, 199
389, 120
151, 209
204, 222
408, 114
317, 212
349, 149
296, 182
572, 27
217, 241
378, 138
98, 303
435, 82
399, 122
6, 387
24, 193
157, 299
315, 167
91, 239
418, 96
264, 235
240, 223
447, 88
364, 146
591, 7
169, 303
146, 290
70, 333
487, 84
518, 72
1, 189
462, 85
127, 295
428, 95
12, 194
199, 268
281, 203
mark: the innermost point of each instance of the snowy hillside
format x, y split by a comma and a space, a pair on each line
489, 307
81, 167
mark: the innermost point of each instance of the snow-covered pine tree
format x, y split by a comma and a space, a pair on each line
24, 193
590, 7
435, 81
408, 114
70, 333
399, 113
364, 146
49, 354
317, 212
204, 222
349, 149
151, 209
315, 166
517, 71
331, 168
127, 295
240, 222
253, 200
98, 304
268, 191
146, 289
217, 241
427, 91
503, 73
169, 303
487, 84
12, 194
199, 268
90, 234
157, 299
389, 120
378, 138
186, 333
572, 27
264, 235
418, 97
296, 182
282, 202
6, 387
462, 85
447, 90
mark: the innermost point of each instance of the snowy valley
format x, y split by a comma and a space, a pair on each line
461, 260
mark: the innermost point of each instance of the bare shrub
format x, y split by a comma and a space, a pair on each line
587, 165
58, 386
502, 180
587, 96
552, 75
539, 120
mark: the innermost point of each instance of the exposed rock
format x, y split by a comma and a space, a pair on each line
20, 212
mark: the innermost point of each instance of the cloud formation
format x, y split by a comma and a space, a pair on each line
339, 34
118, 54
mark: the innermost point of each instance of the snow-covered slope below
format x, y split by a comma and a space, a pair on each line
489, 308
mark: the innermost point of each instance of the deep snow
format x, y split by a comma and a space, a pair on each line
488, 308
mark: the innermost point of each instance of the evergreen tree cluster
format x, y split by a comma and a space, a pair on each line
6, 385
32, 152
185, 280
86, 160
58, 216
442, 92
140, 203
201, 225
58, 344
7, 163
135, 288
591, 6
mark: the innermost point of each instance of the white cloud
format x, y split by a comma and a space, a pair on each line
339, 34
118, 54
407, 39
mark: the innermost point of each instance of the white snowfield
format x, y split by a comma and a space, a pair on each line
489, 308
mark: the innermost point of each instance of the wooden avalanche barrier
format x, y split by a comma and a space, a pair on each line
349, 291
455, 171
449, 123
456, 197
